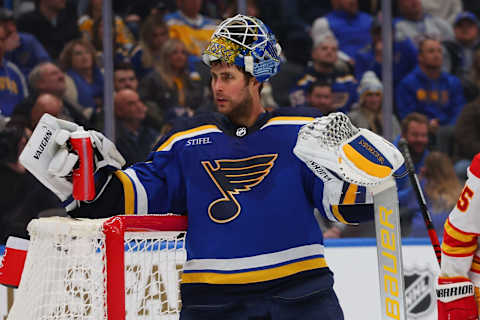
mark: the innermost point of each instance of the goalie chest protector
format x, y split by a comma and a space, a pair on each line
249, 200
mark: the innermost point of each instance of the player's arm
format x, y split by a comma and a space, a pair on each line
338, 200
141, 188
460, 268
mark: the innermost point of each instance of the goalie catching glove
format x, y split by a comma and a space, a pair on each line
48, 157
358, 156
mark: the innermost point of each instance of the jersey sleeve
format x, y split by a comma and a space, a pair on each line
462, 228
152, 187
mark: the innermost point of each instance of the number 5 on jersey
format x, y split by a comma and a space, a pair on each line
464, 200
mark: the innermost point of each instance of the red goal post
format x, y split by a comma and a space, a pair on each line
124, 267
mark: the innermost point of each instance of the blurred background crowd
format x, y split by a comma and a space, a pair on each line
51, 58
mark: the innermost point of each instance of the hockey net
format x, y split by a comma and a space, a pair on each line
125, 267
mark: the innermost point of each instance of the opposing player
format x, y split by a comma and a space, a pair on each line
254, 249
458, 285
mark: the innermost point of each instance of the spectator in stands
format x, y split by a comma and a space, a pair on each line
413, 23
52, 24
441, 190
48, 78
153, 34
23, 197
123, 37
415, 131
78, 61
13, 87
471, 82
350, 27
324, 68
23, 49
445, 9
459, 51
124, 77
120, 54
47, 103
171, 88
370, 58
188, 25
466, 137
320, 96
432, 92
134, 139
368, 114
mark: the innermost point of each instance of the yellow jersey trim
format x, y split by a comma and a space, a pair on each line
449, 250
457, 235
128, 191
179, 135
254, 276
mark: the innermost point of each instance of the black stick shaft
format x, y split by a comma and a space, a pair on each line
403, 146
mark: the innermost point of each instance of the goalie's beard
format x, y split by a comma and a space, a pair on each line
238, 110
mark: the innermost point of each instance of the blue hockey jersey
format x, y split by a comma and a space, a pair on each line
249, 200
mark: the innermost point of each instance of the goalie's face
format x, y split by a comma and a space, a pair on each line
232, 91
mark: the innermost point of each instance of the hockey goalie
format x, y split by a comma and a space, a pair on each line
458, 288
249, 181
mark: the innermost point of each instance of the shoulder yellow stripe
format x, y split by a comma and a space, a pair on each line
182, 133
287, 118
449, 250
254, 276
128, 191
364, 164
456, 234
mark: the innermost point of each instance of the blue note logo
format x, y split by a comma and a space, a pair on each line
232, 177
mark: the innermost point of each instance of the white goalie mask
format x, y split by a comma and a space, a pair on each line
246, 42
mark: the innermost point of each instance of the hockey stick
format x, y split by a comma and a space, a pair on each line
403, 146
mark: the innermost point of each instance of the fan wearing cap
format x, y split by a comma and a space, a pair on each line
368, 113
246, 179
327, 65
459, 52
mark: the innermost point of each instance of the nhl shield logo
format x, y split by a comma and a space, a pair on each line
419, 293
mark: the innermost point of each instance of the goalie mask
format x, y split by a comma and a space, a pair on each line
247, 43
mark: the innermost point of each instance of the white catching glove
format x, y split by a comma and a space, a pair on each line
49, 159
358, 156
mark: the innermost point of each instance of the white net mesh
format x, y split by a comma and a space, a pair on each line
333, 130
64, 275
